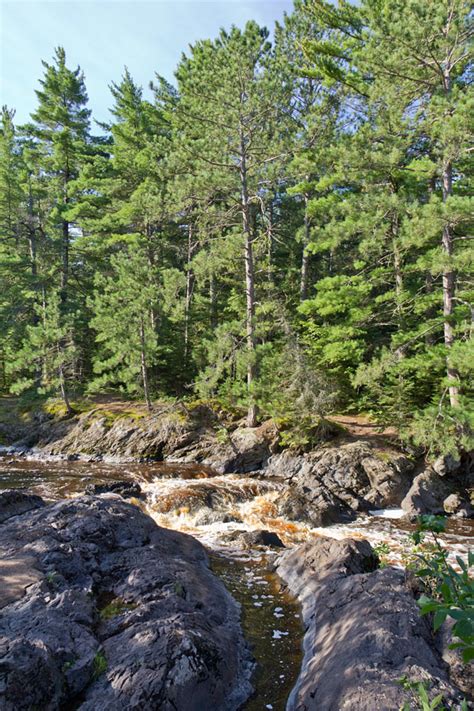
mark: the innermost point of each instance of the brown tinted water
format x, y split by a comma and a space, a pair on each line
270, 615
216, 509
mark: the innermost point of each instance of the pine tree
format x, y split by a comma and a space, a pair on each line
389, 59
223, 119
129, 345
61, 127
51, 351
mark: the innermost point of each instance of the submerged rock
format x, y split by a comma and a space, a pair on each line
125, 489
364, 631
122, 615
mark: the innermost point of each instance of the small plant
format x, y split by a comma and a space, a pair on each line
448, 592
116, 607
222, 435
99, 665
52, 577
382, 550
419, 690
179, 590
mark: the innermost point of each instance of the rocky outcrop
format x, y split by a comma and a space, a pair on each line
363, 631
447, 487
122, 614
14, 502
181, 435
334, 483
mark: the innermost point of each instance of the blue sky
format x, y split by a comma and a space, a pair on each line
104, 35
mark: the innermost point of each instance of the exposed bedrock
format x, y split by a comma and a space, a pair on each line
335, 483
363, 631
103, 609
446, 487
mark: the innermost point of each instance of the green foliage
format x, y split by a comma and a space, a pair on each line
286, 230
99, 665
114, 608
449, 592
127, 346
382, 551
421, 696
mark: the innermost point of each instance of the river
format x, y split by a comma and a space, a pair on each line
218, 510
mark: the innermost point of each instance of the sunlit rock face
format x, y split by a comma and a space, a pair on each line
120, 614
364, 631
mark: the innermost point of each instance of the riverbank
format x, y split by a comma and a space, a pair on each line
352, 467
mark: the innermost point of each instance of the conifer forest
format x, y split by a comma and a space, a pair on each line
285, 229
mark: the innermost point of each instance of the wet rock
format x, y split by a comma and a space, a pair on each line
125, 489
363, 631
333, 484
426, 494
314, 505
124, 615
15, 501
261, 538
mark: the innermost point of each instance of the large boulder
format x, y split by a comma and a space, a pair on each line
446, 487
363, 631
122, 615
335, 483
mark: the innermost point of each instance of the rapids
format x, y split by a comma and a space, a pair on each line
216, 510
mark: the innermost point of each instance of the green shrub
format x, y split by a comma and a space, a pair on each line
449, 593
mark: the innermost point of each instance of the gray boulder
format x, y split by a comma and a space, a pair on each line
363, 631
122, 615
441, 490
333, 484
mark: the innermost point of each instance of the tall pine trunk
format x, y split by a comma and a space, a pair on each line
305, 256
449, 276
449, 289
144, 369
249, 285
65, 242
189, 293
270, 243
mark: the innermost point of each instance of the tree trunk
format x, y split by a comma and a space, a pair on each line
305, 255
64, 392
143, 366
430, 338
213, 301
31, 231
249, 286
189, 293
65, 247
397, 268
270, 239
449, 289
